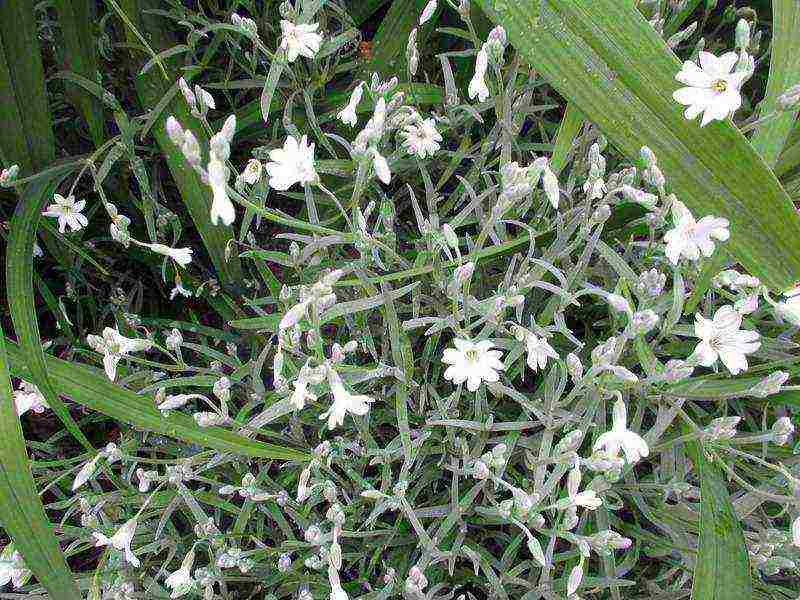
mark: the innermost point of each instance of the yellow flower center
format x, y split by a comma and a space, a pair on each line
720, 85
472, 355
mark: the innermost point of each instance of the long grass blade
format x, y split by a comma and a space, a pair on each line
604, 57
23, 515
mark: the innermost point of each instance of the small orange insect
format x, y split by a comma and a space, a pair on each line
365, 49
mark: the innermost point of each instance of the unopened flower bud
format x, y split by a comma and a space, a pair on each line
782, 431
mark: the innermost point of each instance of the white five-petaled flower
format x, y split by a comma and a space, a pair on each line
690, 238
121, 540
12, 568
28, 397
68, 212
721, 338
713, 87
622, 438
299, 40
114, 346
343, 402
422, 139
180, 581
538, 349
294, 163
472, 362
301, 393
348, 114
182, 256
478, 87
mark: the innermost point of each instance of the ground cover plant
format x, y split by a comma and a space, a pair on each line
400, 299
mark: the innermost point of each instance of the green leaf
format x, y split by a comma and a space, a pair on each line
607, 60
722, 567
93, 390
19, 286
23, 516
784, 71
76, 18
570, 127
29, 136
151, 88
389, 44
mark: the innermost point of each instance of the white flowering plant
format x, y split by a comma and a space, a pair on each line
397, 326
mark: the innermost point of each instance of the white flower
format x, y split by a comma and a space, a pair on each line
422, 139
177, 400
12, 568
796, 532
68, 212
179, 289
28, 397
181, 582
381, 167
343, 402
221, 206
348, 115
574, 580
538, 351
585, 499
721, 338
690, 238
427, 12
472, 362
622, 438
299, 40
713, 89
182, 256
477, 87
114, 346
252, 172
550, 184
789, 309
121, 540
294, 163
301, 393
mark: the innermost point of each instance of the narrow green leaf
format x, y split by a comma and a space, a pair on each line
93, 390
784, 71
607, 60
570, 127
23, 67
722, 567
23, 517
361, 10
79, 54
151, 88
19, 286
389, 44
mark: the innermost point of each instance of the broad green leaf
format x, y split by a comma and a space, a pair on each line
19, 287
79, 54
784, 71
151, 88
607, 60
722, 566
22, 82
93, 390
23, 517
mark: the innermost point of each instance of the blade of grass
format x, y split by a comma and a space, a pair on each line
570, 127
26, 79
361, 10
24, 519
19, 287
93, 390
604, 57
151, 87
722, 567
784, 71
79, 55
